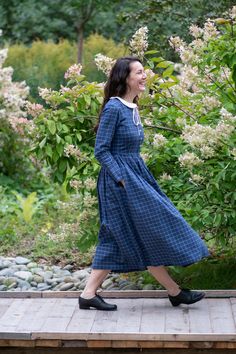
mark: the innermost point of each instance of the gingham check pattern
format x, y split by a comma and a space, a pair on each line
139, 225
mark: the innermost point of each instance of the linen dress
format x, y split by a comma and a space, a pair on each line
139, 225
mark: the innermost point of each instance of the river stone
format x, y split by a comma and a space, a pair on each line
3, 287
43, 287
19, 267
66, 286
62, 273
2, 278
22, 260
68, 279
23, 284
32, 265
106, 283
52, 281
7, 272
130, 287
47, 275
33, 284
81, 274
24, 275
5, 264
68, 267
37, 278
149, 287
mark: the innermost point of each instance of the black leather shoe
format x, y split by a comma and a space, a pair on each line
98, 302
186, 296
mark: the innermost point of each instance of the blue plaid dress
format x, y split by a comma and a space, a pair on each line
139, 225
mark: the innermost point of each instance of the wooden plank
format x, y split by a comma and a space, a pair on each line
105, 321
13, 314
177, 319
16, 343
59, 316
112, 294
20, 294
4, 305
81, 321
171, 337
153, 316
233, 308
221, 316
35, 315
129, 315
199, 318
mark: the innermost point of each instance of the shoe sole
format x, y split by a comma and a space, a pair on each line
91, 307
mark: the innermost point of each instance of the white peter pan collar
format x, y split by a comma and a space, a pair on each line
126, 103
136, 118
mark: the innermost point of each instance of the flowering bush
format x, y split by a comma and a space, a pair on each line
189, 116
12, 120
197, 114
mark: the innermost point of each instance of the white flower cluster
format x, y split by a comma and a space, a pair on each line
189, 159
13, 96
144, 156
90, 183
72, 150
45, 93
89, 200
209, 30
165, 177
233, 12
73, 72
196, 178
104, 63
139, 42
195, 31
206, 138
74, 183
210, 102
233, 152
159, 140
227, 116
34, 109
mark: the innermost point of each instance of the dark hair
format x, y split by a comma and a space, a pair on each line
116, 84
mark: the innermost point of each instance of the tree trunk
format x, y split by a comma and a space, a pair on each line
80, 43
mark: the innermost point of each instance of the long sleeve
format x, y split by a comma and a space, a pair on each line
105, 133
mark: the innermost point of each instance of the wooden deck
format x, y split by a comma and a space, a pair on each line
145, 321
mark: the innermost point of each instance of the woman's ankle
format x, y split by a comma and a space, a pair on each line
87, 295
173, 291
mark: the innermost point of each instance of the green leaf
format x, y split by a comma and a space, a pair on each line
151, 52
42, 143
87, 99
79, 136
48, 150
58, 139
65, 129
51, 126
60, 149
62, 165
168, 71
163, 64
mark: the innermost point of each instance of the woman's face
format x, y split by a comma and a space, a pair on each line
136, 80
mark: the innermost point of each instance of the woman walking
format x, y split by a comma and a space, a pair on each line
140, 228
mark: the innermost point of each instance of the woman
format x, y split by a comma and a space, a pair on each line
140, 228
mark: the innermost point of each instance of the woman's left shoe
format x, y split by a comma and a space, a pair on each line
96, 302
186, 296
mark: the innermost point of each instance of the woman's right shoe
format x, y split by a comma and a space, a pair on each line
97, 302
186, 296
